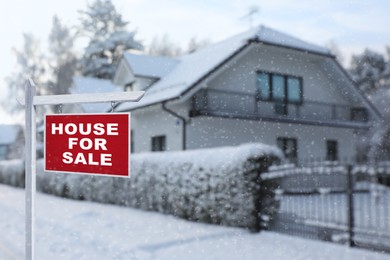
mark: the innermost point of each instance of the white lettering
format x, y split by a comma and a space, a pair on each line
87, 131
67, 157
80, 159
105, 159
67, 129
86, 144
100, 143
112, 129
55, 128
99, 129
90, 159
72, 142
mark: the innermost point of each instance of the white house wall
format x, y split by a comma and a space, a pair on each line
124, 75
153, 121
206, 132
241, 74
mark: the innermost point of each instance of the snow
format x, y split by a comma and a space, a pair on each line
272, 36
217, 185
194, 66
214, 185
380, 99
82, 85
12, 172
150, 66
67, 229
9, 133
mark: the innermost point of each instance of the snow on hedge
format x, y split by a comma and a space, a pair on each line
210, 185
218, 185
12, 172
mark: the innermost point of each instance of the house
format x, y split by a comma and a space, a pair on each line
11, 142
259, 86
83, 85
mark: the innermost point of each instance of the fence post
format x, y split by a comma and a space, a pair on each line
263, 195
350, 205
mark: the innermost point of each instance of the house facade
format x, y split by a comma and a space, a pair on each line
11, 142
258, 86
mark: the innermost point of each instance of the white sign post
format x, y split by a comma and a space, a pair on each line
30, 102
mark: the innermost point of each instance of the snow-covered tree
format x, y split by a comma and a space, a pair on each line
108, 39
31, 63
370, 71
62, 58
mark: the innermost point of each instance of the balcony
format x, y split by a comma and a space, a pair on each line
228, 104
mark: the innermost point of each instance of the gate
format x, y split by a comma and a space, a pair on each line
333, 202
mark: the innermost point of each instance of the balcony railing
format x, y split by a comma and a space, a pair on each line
237, 104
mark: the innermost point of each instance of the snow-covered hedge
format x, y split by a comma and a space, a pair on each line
12, 172
219, 185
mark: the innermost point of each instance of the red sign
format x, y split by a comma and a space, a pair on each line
88, 143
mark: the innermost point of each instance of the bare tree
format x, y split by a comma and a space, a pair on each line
163, 46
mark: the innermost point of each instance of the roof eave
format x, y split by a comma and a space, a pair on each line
193, 85
257, 40
360, 93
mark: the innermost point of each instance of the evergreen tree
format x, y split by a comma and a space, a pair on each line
108, 39
370, 71
63, 60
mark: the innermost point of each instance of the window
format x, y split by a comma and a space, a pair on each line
359, 114
289, 148
331, 150
263, 85
132, 141
279, 88
294, 90
278, 91
158, 143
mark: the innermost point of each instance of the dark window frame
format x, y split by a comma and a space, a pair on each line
332, 150
285, 141
270, 96
131, 141
159, 143
359, 114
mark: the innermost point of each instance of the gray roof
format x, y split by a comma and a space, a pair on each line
150, 66
187, 70
9, 133
82, 85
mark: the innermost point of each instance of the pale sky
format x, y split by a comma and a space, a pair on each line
352, 24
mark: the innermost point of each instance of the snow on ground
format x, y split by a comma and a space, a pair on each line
68, 229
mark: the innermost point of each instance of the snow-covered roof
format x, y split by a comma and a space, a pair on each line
82, 85
150, 66
8, 134
192, 67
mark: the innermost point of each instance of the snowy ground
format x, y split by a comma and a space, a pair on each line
69, 229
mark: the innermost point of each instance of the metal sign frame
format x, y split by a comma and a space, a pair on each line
30, 101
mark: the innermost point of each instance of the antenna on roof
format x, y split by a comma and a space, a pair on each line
252, 11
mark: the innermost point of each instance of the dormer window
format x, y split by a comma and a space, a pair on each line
279, 88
